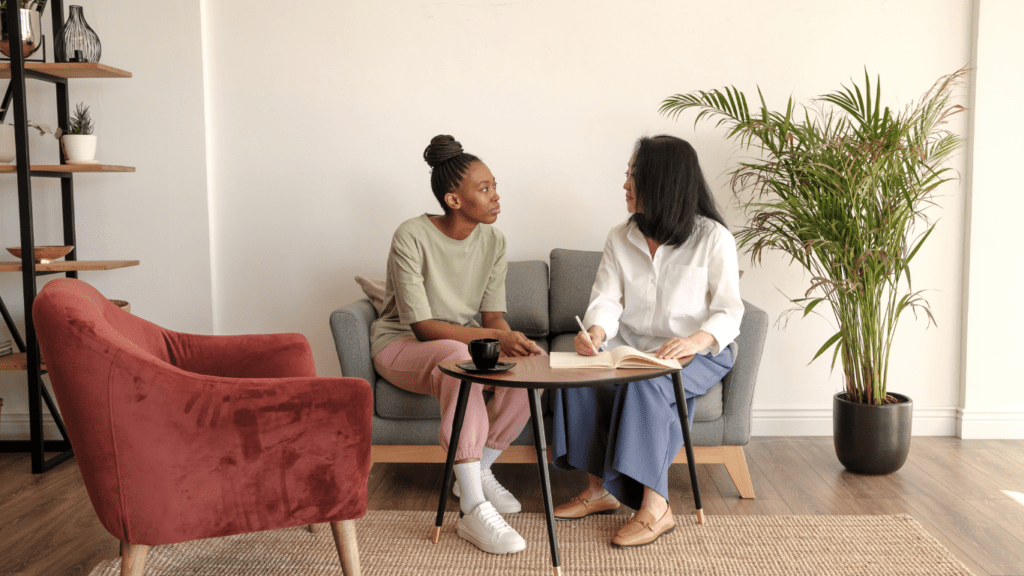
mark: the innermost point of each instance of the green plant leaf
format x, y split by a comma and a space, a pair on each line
828, 344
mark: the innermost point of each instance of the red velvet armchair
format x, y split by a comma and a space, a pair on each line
181, 437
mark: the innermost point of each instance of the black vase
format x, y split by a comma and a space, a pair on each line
872, 439
76, 41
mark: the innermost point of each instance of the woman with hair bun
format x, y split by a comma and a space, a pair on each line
442, 270
668, 282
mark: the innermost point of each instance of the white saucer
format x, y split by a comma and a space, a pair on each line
76, 162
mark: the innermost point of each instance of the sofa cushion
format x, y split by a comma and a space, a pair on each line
572, 277
393, 403
526, 295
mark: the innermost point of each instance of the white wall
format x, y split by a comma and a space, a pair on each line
158, 215
993, 398
317, 119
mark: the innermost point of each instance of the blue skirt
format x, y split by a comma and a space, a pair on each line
629, 434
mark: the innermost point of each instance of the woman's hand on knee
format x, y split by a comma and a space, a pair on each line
682, 347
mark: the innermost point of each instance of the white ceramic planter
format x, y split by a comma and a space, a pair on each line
7, 146
79, 148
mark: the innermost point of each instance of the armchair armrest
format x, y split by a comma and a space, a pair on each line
350, 326
201, 456
738, 384
243, 356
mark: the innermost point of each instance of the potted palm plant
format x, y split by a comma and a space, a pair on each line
842, 187
78, 141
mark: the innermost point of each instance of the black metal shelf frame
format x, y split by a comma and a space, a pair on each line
16, 96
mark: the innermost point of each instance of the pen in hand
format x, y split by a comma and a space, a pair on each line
589, 338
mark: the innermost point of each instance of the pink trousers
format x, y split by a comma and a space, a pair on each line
412, 365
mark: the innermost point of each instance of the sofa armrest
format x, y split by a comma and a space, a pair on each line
738, 384
350, 326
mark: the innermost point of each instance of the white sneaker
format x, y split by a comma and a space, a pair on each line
503, 500
488, 531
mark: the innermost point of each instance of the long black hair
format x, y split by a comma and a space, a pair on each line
448, 166
670, 190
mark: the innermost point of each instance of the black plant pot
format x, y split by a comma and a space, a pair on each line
872, 439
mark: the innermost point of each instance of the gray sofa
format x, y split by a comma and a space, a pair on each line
405, 425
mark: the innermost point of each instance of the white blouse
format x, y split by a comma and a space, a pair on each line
642, 302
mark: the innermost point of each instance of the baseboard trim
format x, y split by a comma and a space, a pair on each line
785, 421
16, 427
989, 424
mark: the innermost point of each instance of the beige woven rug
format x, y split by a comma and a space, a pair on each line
396, 543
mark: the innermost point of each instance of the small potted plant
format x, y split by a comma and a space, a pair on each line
78, 141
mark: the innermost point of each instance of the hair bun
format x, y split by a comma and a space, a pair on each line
442, 148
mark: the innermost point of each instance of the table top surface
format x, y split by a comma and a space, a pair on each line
536, 372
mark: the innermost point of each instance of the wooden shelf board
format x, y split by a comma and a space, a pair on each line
70, 266
70, 70
13, 169
16, 361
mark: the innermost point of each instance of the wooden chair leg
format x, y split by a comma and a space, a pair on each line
736, 465
313, 528
348, 552
133, 559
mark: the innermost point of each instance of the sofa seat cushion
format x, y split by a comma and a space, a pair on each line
393, 403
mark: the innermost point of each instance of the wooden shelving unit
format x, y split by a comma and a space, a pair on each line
16, 361
68, 70
38, 170
71, 265
28, 360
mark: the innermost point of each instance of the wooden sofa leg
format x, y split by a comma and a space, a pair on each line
736, 465
133, 559
313, 528
348, 552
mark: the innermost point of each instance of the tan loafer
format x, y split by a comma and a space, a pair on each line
580, 508
642, 529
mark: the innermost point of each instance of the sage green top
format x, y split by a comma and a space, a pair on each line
433, 277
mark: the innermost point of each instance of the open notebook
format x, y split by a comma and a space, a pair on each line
621, 357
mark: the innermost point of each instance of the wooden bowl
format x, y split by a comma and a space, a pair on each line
45, 254
123, 305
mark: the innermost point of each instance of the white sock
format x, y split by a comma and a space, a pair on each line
471, 491
490, 455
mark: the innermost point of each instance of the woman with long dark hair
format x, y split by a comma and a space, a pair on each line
668, 283
442, 270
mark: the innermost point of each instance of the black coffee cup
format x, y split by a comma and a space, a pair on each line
485, 352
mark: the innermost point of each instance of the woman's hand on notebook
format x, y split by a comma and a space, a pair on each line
583, 339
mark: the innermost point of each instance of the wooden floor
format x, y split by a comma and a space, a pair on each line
969, 494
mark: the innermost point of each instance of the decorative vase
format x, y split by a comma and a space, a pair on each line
7, 145
79, 148
872, 439
31, 33
76, 41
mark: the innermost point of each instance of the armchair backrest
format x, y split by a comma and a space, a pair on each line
81, 335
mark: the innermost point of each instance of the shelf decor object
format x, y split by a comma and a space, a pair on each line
44, 254
76, 41
31, 33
